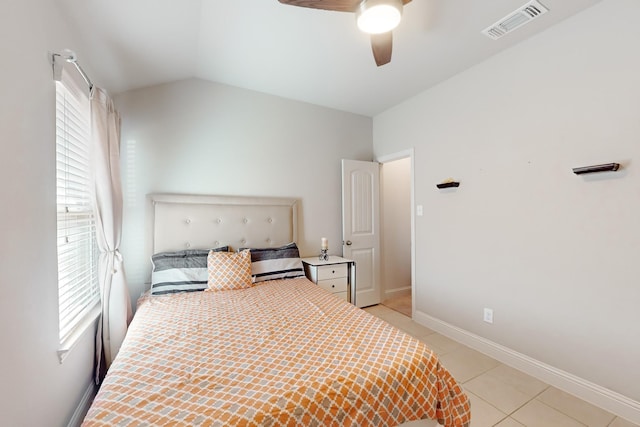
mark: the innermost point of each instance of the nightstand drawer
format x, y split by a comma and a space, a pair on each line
336, 275
332, 271
334, 285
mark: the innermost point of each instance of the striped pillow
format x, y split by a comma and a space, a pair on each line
276, 263
181, 271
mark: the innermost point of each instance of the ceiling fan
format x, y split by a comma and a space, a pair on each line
376, 17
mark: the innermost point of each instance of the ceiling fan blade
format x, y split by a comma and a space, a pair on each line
381, 44
336, 5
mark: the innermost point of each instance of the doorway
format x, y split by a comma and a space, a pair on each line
396, 214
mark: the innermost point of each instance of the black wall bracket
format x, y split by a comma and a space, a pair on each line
448, 184
597, 168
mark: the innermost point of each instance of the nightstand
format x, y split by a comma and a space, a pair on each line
336, 275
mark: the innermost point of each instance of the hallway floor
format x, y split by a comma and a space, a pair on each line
400, 302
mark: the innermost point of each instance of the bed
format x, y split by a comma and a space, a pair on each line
282, 351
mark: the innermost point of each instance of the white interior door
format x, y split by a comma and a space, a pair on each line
361, 226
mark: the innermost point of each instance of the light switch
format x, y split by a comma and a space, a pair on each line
419, 210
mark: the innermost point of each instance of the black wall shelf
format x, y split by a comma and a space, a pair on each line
607, 167
448, 184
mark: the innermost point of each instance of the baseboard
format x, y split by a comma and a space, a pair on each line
397, 292
83, 406
595, 394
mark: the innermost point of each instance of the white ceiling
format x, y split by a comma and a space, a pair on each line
304, 54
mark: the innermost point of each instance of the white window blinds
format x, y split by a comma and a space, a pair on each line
78, 289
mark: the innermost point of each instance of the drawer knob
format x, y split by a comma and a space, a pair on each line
333, 272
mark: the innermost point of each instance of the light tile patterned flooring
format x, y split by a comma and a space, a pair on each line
501, 396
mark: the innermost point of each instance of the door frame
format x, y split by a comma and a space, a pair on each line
408, 153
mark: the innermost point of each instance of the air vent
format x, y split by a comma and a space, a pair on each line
523, 15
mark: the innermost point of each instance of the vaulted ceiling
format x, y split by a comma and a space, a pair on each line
304, 54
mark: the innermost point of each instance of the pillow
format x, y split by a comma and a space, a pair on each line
181, 271
229, 270
276, 263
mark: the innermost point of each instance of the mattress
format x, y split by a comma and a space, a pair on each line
283, 352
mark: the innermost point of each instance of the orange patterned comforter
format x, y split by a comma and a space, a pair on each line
284, 352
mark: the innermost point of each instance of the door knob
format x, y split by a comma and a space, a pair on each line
348, 243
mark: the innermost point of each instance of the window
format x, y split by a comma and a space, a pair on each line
78, 289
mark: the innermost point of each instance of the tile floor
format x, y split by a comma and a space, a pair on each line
501, 396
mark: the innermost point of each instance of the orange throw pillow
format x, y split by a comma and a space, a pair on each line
229, 270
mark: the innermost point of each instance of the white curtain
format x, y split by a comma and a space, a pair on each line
116, 304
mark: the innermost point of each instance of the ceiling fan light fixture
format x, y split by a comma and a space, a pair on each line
379, 16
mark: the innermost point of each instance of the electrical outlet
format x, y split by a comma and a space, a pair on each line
488, 315
419, 210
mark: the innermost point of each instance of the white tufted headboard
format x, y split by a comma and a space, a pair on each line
181, 221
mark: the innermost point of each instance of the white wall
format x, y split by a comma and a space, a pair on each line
35, 390
198, 137
396, 226
554, 254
